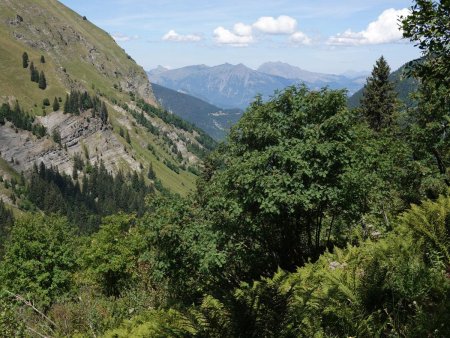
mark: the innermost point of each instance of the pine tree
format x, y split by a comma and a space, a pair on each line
25, 60
127, 137
55, 104
34, 73
42, 81
379, 98
104, 113
151, 172
66, 104
42, 59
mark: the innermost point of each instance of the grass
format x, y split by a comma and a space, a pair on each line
82, 56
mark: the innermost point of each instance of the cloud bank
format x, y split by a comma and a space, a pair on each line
119, 37
383, 30
282, 25
243, 35
172, 35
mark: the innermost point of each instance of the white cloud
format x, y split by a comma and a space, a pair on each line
242, 29
237, 38
300, 38
242, 34
282, 25
384, 30
174, 36
119, 37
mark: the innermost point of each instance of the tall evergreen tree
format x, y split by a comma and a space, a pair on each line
34, 73
378, 102
66, 105
55, 104
104, 113
42, 59
42, 81
25, 60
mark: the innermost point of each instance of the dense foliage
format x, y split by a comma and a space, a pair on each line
99, 194
312, 220
21, 119
77, 102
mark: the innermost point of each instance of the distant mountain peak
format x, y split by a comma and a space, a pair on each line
229, 86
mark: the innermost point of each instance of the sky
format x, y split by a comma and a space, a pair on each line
326, 36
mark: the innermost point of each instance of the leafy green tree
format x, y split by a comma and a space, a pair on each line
182, 248
111, 258
56, 104
10, 323
46, 102
427, 26
39, 259
25, 60
42, 81
379, 97
286, 177
6, 223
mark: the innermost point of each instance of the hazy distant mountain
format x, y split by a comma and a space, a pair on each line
231, 86
403, 84
313, 80
292, 72
226, 85
215, 121
352, 74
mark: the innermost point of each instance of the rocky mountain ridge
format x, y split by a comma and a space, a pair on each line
235, 86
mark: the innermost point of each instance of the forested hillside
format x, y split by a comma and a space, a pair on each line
213, 120
311, 220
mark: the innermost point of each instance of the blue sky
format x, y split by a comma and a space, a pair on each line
318, 35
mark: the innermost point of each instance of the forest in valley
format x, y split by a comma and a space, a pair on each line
310, 220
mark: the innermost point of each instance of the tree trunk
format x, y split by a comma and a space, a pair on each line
441, 165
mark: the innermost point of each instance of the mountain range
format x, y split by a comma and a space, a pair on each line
235, 86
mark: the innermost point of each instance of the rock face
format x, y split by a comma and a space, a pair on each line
81, 135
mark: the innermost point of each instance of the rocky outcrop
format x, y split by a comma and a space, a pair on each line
81, 134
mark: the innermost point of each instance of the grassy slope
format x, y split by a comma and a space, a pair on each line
111, 71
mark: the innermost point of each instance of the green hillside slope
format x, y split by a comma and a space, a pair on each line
78, 56
214, 120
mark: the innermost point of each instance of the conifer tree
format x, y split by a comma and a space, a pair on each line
66, 104
378, 102
25, 60
151, 172
55, 104
127, 137
34, 73
42, 81
42, 59
104, 113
